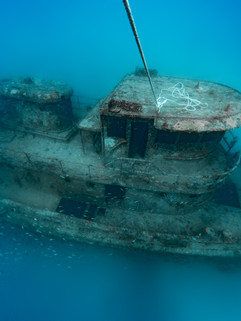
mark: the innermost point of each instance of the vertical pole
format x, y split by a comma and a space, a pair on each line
132, 23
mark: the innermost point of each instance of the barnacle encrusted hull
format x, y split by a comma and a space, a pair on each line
212, 230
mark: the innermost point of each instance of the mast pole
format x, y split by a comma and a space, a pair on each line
134, 30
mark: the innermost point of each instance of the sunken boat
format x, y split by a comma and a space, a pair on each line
131, 173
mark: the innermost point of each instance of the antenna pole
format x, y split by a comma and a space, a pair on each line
132, 23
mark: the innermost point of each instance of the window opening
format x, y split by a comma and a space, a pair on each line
114, 192
208, 137
116, 127
227, 194
80, 209
97, 142
138, 139
188, 137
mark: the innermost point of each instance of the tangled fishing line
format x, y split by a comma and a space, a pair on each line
178, 95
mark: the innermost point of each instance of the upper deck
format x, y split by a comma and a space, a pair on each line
183, 104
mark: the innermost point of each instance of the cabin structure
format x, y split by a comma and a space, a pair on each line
174, 150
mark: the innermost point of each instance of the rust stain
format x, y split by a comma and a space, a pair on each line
116, 106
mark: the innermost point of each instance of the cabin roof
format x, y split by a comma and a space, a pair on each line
35, 90
184, 104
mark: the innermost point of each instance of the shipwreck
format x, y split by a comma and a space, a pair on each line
131, 173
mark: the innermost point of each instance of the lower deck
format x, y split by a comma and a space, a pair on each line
41, 205
53, 187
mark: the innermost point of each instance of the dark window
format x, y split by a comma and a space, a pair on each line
188, 137
193, 195
138, 139
97, 142
114, 192
90, 185
166, 137
227, 194
80, 209
207, 137
116, 127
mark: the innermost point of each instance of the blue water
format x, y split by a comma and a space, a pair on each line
89, 44
46, 279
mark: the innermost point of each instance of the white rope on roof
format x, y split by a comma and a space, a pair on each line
179, 96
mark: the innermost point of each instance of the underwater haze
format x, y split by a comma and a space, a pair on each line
90, 45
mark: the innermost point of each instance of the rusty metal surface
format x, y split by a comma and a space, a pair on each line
219, 108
